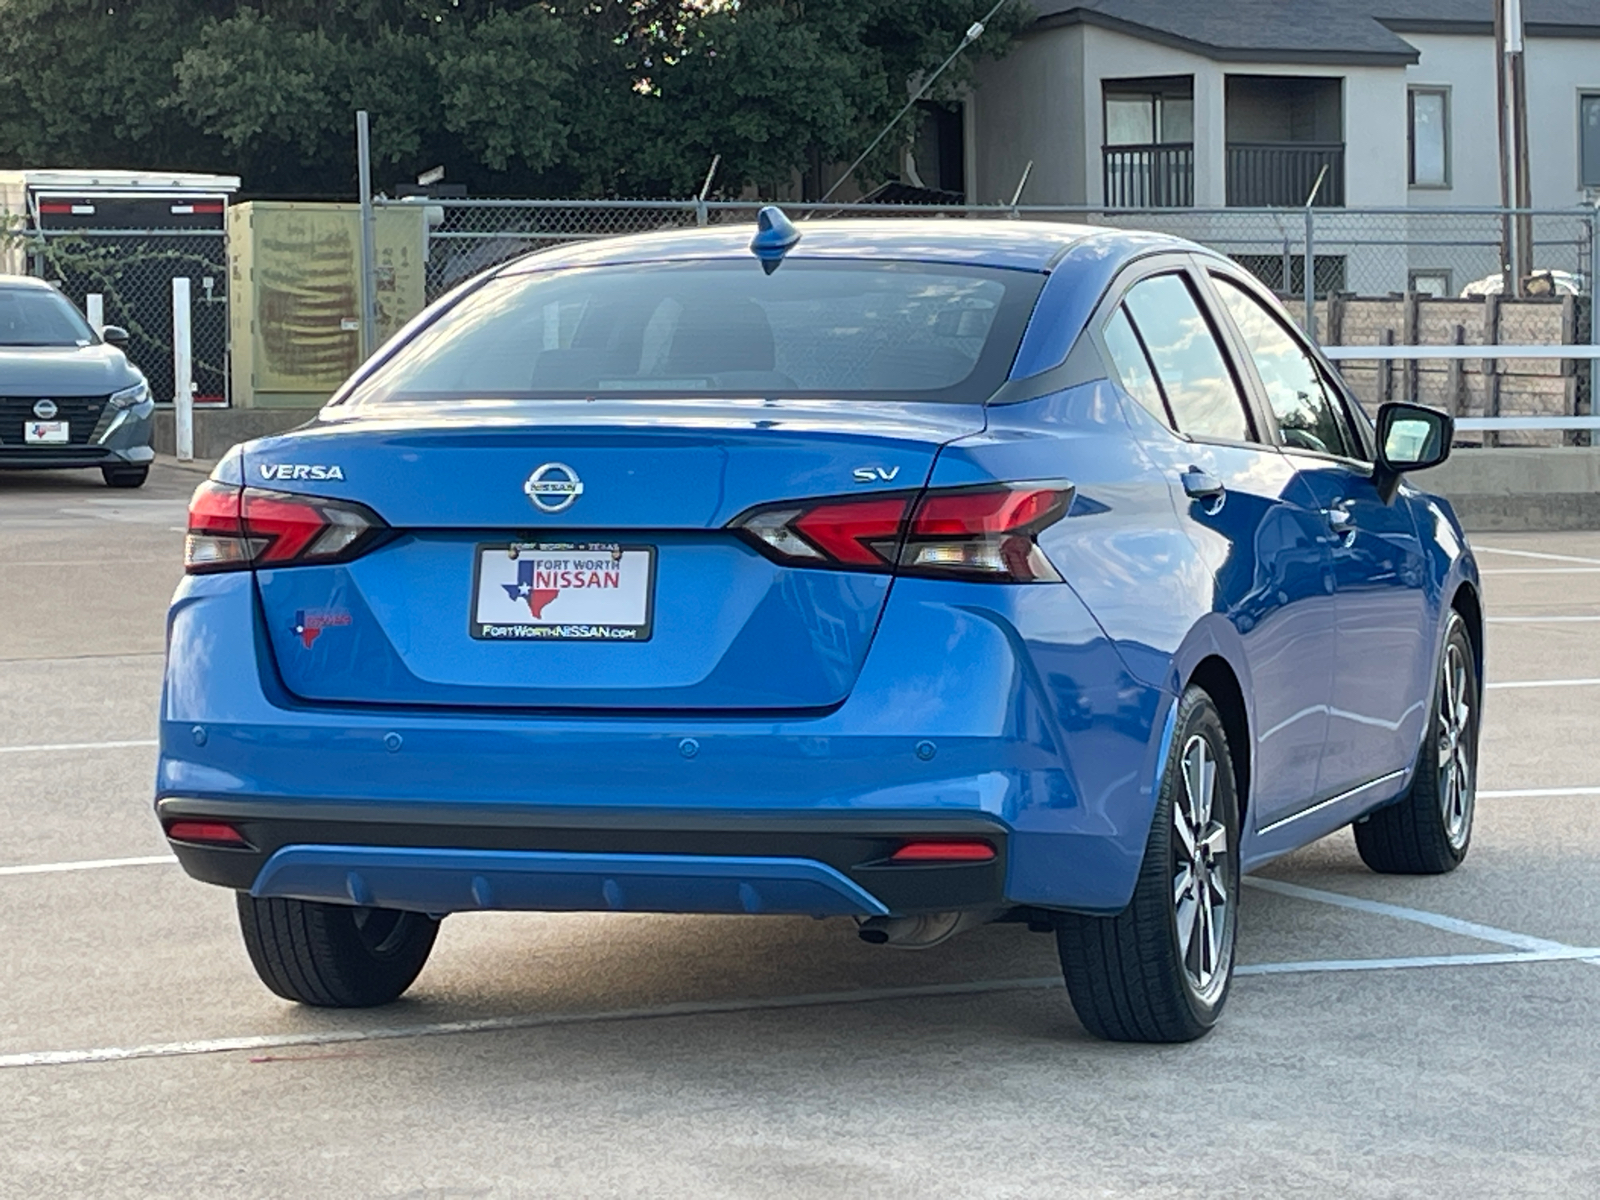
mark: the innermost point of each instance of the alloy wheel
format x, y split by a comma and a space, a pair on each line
1457, 787
1202, 876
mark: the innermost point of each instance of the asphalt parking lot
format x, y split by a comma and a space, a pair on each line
1387, 1036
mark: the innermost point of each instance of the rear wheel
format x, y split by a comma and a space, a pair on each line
1159, 970
124, 477
1427, 831
332, 955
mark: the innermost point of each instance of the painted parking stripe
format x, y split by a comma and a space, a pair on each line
1471, 929
1545, 554
1540, 571
1552, 620
1537, 793
49, 658
1564, 954
89, 562
693, 1008
688, 1008
87, 864
53, 747
1543, 683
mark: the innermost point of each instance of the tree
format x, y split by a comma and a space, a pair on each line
513, 97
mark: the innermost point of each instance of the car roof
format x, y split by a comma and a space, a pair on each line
1022, 245
25, 281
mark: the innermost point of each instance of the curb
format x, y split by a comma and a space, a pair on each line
199, 466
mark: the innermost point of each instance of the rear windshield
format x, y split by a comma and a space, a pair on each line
882, 331
36, 317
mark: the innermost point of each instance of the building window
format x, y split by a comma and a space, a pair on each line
1589, 134
1428, 134
1149, 118
1149, 142
1429, 282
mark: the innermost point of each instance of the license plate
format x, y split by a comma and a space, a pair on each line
563, 591
47, 433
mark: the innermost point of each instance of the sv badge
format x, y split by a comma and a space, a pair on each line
875, 474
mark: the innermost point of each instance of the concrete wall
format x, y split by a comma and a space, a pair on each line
1520, 488
217, 430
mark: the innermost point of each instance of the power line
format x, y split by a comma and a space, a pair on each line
974, 32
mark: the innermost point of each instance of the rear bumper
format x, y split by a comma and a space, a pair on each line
455, 858
979, 711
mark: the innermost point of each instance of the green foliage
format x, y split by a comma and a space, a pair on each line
554, 97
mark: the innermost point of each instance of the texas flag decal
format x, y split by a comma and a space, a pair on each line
540, 582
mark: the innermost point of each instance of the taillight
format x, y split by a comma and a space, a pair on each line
232, 528
987, 532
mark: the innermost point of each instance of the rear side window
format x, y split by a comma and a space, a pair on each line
1133, 368
1187, 363
1308, 414
868, 330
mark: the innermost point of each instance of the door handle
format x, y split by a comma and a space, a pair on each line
1340, 520
1202, 485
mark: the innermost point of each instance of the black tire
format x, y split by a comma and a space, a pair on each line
1428, 830
124, 477
1130, 977
332, 955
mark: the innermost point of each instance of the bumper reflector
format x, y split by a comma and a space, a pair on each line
212, 832
932, 852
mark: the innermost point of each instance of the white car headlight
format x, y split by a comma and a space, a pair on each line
129, 396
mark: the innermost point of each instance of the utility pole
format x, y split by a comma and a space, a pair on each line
1516, 59
1502, 111
369, 254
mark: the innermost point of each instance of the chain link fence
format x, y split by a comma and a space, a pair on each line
1362, 252
1402, 276
132, 271
1379, 276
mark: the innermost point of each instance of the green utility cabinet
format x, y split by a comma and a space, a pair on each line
294, 274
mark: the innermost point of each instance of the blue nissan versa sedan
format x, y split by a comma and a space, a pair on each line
921, 572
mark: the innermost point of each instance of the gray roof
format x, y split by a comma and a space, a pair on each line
1332, 31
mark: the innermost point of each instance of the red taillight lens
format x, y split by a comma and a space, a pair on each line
232, 528
943, 852
984, 532
210, 832
862, 533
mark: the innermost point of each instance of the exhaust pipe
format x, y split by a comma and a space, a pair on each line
920, 932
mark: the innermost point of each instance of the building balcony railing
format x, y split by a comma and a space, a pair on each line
1157, 176
1282, 174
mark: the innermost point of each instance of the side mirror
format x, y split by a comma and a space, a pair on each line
1411, 437
115, 335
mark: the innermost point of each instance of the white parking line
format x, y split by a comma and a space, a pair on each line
90, 562
693, 1008
1535, 793
48, 747
1573, 558
1540, 571
1565, 954
1538, 620
49, 658
86, 864
1543, 683
1471, 929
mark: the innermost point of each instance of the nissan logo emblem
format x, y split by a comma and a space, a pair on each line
553, 487
45, 409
